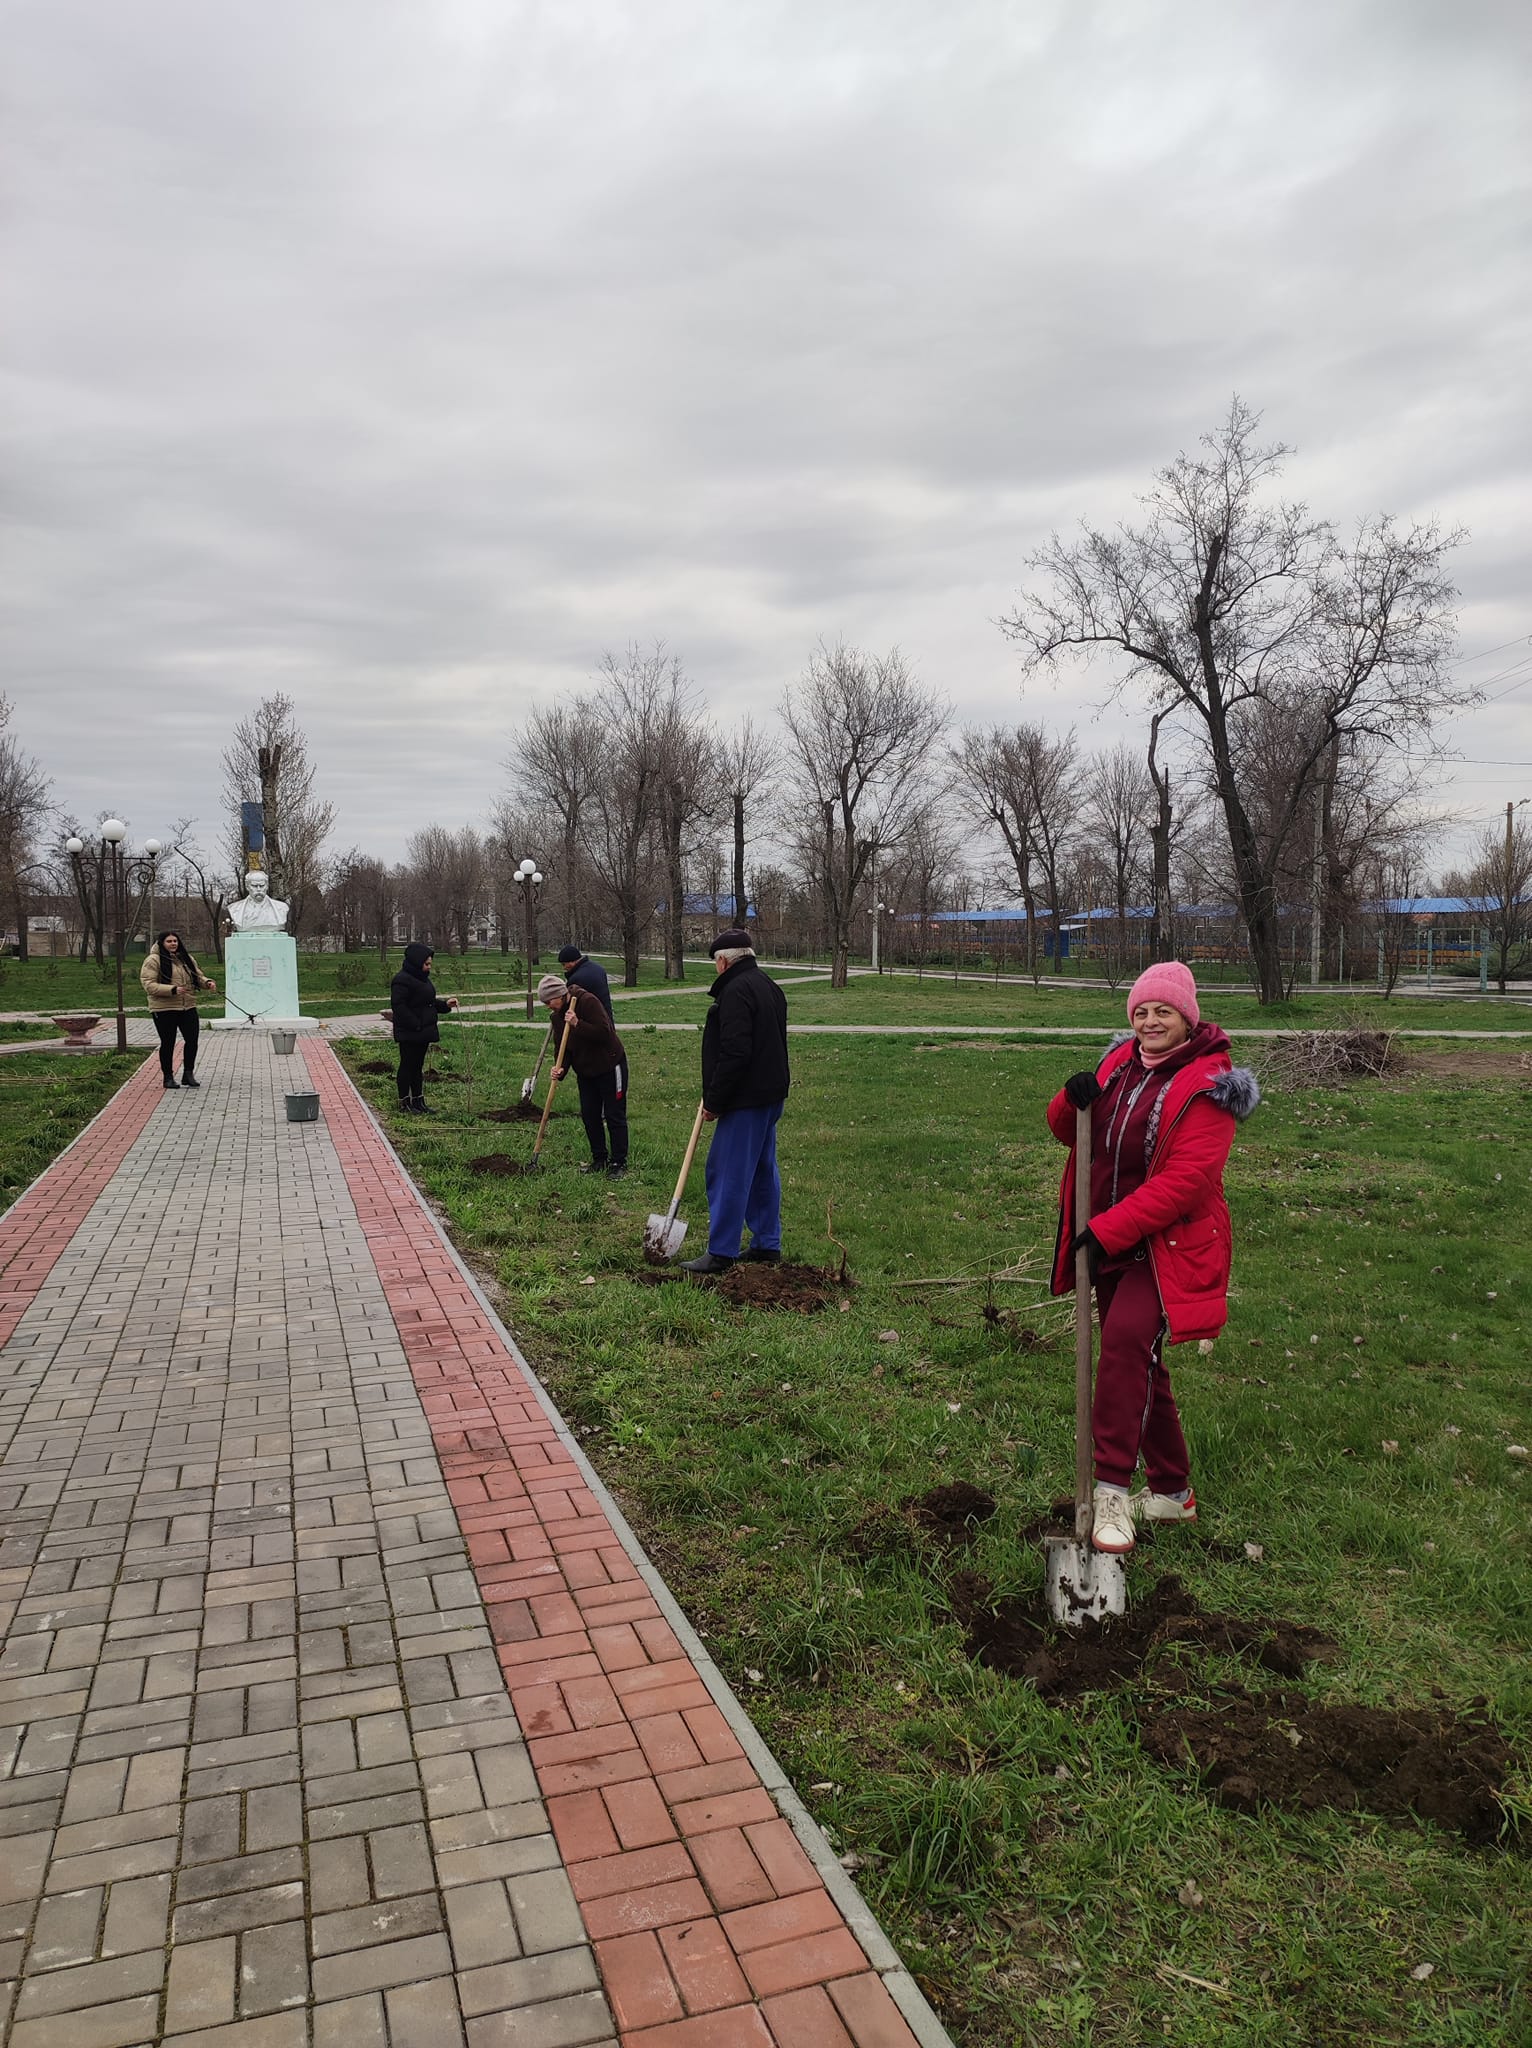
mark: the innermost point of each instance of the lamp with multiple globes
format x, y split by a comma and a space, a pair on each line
529, 881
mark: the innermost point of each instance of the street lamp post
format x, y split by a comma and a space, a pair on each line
121, 867
878, 910
529, 881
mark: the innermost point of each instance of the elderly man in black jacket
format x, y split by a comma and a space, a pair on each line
744, 1086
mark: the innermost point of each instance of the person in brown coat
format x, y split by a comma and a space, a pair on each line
171, 979
600, 1065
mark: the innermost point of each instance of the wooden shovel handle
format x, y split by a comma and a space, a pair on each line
553, 1081
542, 1052
1084, 1464
686, 1163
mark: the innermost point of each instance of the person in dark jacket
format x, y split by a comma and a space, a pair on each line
171, 979
595, 1052
580, 971
744, 1086
416, 1007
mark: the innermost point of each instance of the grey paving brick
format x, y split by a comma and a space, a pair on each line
352, 2023
578, 2022
202, 1989
66, 1929
273, 1969
137, 1916
383, 1920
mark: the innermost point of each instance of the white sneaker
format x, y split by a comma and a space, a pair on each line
1163, 1507
1112, 1530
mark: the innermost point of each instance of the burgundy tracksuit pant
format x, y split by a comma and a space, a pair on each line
1134, 1413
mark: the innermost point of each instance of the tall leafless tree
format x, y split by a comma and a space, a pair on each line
861, 733
688, 789
627, 714
1498, 882
1118, 800
267, 761
1220, 597
749, 762
553, 764
447, 874
24, 795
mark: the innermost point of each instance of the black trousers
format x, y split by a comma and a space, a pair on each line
167, 1023
604, 1112
412, 1066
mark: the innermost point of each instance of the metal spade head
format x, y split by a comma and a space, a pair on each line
663, 1238
1082, 1583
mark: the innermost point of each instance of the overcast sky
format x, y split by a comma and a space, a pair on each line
406, 356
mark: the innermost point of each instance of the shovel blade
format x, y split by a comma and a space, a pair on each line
526, 1089
662, 1239
1082, 1584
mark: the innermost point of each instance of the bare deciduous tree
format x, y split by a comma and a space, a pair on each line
24, 794
1118, 798
1498, 882
1221, 597
861, 733
447, 872
749, 763
554, 762
627, 716
687, 765
267, 761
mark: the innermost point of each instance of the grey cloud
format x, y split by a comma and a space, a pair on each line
406, 358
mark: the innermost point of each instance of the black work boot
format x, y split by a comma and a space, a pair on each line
710, 1262
759, 1255
170, 1081
188, 1079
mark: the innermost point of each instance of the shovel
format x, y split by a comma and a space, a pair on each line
553, 1082
529, 1086
663, 1236
1083, 1583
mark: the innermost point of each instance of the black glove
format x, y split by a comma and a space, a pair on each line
1087, 1241
1082, 1090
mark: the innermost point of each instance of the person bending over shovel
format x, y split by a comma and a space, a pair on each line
600, 1067
1163, 1104
744, 1086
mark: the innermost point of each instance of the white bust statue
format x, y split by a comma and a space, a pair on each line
257, 911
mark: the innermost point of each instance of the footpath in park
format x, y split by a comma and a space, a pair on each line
338, 1706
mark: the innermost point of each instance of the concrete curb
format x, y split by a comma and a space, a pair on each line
858, 1915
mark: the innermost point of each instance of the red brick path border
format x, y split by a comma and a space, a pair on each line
711, 1927
36, 1228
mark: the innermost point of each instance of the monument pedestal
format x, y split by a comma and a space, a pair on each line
260, 971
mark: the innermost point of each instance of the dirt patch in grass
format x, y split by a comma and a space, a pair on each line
951, 1513
948, 1515
1250, 1750
1018, 1637
519, 1112
1282, 1749
376, 1067
804, 1288
1467, 1062
500, 1165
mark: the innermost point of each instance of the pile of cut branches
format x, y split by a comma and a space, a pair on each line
1328, 1059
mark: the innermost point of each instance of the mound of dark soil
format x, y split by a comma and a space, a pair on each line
952, 1512
500, 1164
436, 1076
1285, 1750
1017, 1637
805, 1288
947, 1514
519, 1112
376, 1067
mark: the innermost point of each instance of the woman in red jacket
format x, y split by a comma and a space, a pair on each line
1166, 1099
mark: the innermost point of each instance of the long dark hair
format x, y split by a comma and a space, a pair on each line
181, 953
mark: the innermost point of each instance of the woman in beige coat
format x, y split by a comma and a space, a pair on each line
171, 979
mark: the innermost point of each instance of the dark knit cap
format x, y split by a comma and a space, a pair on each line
731, 940
568, 955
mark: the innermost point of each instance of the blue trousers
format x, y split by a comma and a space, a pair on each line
743, 1185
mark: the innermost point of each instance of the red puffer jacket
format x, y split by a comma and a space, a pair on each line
1179, 1211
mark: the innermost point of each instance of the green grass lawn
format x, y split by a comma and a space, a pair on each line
45, 1098
1031, 1861
902, 999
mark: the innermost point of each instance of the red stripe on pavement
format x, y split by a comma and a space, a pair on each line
710, 1924
35, 1230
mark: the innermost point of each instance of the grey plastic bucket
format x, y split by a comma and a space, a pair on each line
303, 1107
284, 1041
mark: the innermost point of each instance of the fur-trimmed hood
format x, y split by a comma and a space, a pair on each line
1238, 1091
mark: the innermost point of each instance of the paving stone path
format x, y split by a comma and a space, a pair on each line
338, 1708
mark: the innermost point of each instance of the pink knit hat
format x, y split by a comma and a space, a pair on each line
1167, 982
